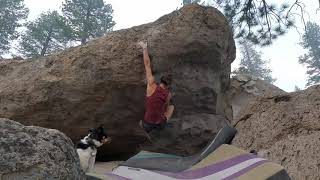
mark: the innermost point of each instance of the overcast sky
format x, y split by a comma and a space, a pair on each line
283, 54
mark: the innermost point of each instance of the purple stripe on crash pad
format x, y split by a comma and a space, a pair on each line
211, 169
116, 177
245, 170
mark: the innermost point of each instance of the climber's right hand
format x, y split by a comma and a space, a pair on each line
143, 45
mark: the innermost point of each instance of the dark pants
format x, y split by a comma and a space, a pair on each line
149, 127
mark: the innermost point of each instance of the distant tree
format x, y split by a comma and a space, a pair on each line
11, 14
311, 42
186, 2
88, 18
46, 34
296, 88
252, 64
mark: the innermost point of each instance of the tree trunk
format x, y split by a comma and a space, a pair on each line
83, 40
46, 44
85, 27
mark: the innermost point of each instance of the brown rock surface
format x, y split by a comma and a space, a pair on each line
285, 129
186, 135
245, 89
104, 80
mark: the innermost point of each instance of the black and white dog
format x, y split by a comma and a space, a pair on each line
87, 147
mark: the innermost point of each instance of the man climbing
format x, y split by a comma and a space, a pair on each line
158, 109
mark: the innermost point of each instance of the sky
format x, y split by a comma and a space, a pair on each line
283, 53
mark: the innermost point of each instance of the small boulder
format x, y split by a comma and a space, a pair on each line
245, 89
285, 129
29, 152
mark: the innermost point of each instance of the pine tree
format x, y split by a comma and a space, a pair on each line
88, 18
311, 42
260, 21
252, 63
11, 14
48, 33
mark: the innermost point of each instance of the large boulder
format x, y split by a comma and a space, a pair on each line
103, 82
245, 89
285, 129
29, 152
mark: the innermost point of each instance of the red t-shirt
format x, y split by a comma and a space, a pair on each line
156, 106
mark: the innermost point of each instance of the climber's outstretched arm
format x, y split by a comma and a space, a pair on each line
147, 64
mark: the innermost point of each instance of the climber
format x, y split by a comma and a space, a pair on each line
158, 109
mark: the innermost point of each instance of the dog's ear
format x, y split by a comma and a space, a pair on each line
101, 126
91, 130
101, 130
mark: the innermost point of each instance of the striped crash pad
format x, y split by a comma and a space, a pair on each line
173, 163
226, 162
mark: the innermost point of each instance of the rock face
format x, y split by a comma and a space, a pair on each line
245, 89
285, 129
29, 152
103, 82
187, 135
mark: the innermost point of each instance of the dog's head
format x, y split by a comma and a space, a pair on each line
98, 136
